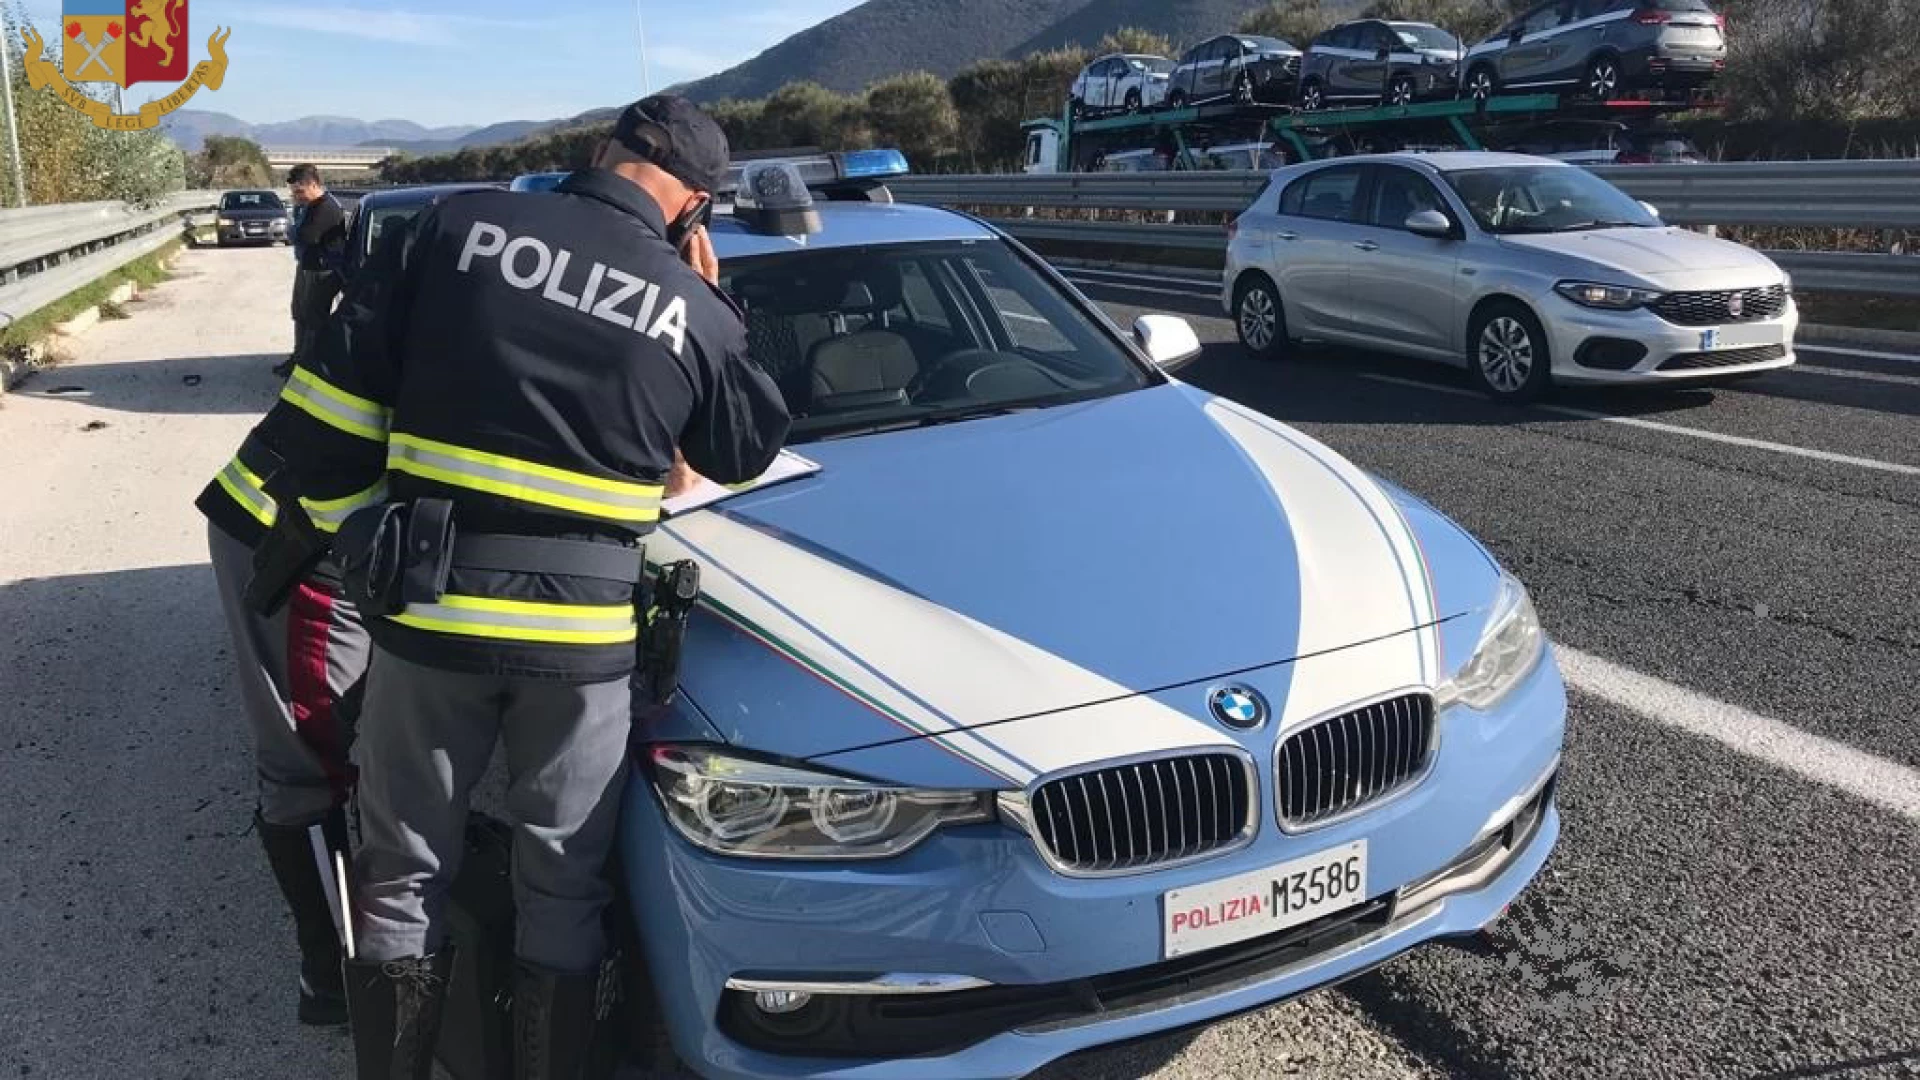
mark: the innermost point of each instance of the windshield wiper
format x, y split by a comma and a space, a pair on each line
1589, 226
929, 419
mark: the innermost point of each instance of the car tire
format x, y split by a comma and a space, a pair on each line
1507, 353
1312, 97
1076, 108
1603, 77
1400, 91
1133, 101
1176, 99
1482, 84
1259, 318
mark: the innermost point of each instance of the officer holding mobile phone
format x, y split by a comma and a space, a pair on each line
527, 373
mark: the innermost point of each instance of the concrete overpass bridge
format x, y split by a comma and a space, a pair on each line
328, 158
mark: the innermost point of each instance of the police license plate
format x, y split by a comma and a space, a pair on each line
1248, 905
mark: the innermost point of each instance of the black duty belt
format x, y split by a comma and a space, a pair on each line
544, 555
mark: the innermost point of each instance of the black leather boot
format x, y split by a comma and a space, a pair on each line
290, 852
396, 1014
553, 1019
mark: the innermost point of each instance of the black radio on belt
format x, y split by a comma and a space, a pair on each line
674, 591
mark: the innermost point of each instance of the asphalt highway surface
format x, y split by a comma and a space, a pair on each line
1731, 576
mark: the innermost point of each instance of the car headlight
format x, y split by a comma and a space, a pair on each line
735, 805
1611, 297
226, 221
1786, 282
1509, 647
279, 221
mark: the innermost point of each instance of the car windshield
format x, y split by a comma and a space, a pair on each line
251, 200
867, 339
1545, 199
1426, 37
1267, 45
1157, 64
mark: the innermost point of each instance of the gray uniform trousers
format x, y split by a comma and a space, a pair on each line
293, 667
426, 736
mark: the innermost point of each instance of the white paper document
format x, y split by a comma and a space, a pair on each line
704, 494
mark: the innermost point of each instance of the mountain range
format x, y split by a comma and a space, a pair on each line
190, 128
886, 37
846, 53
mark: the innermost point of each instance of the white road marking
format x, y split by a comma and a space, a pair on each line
1907, 358
1674, 429
1182, 293
1860, 774
1861, 376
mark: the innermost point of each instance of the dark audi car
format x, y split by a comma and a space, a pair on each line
1603, 49
252, 217
1245, 67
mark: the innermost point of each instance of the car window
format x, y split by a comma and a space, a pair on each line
1590, 9
1545, 18
1329, 195
1513, 199
867, 338
1679, 5
1398, 194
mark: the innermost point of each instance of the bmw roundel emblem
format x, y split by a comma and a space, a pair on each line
1238, 707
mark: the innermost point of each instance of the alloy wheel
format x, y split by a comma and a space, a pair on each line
1506, 354
1480, 85
1401, 92
1243, 89
1258, 319
1311, 98
1603, 79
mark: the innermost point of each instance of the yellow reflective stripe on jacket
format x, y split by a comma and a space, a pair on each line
523, 620
524, 481
241, 483
328, 514
335, 407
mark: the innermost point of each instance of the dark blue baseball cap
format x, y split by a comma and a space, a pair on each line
675, 135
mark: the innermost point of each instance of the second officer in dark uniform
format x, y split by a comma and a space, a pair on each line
525, 381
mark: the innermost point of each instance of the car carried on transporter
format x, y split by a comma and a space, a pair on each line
1121, 81
1377, 61
1526, 270
1602, 49
952, 787
1246, 68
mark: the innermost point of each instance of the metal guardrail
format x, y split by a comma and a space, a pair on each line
1815, 271
47, 252
1807, 194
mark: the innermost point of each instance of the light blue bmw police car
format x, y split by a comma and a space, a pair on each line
1062, 703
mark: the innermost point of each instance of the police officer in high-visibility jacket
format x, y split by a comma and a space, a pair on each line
525, 378
295, 664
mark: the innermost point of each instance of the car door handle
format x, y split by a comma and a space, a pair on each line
1287, 235
1367, 245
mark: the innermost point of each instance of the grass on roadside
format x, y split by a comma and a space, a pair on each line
145, 272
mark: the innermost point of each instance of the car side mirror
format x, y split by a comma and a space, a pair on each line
1166, 339
1650, 208
1431, 224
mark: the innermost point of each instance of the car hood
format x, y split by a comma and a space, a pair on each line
255, 213
1665, 257
948, 579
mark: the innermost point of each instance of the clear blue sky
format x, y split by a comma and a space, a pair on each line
477, 62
